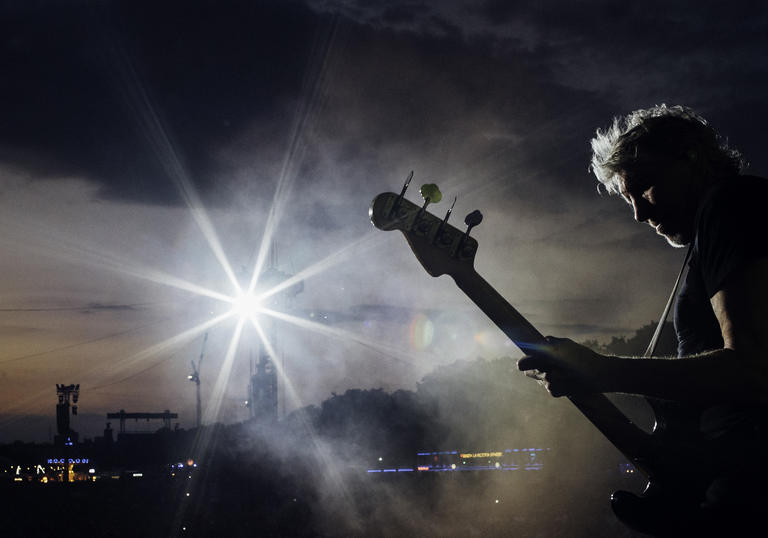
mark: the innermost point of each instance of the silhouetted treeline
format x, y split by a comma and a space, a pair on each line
636, 344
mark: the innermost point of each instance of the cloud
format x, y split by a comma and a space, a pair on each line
128, 98
98, 307
112, 105
90, 85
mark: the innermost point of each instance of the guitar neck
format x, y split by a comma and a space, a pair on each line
510, 321
605, 416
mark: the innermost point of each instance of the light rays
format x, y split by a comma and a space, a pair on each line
151, 125
159, 139
95, 377
317, 81
222, 379
138, 97
496, 172
246, 305
324, 264
56, 245
397, 354
327, 460
122, 366
160, 277
205, 434
278, 364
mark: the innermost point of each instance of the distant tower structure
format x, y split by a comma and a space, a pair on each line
68, 396
263, 388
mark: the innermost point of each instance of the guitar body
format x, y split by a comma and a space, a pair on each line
672, 458
679, 470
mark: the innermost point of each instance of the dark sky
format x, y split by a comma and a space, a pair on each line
134, 134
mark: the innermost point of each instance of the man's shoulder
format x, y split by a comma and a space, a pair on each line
731, 230
736, 197
740, 186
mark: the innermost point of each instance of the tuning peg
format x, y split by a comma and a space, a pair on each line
407, 182
439, 231
448, 213
472, 220
402, 193
431, 193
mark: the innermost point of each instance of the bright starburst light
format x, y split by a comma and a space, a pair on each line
249, 299
246, 305
246, 298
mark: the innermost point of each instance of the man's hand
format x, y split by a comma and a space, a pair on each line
564, 367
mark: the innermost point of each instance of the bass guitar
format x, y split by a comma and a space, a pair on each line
671, 464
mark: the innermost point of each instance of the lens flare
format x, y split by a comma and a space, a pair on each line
246, 305
422, 331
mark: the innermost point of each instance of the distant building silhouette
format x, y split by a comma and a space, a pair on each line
262, 390
68, 396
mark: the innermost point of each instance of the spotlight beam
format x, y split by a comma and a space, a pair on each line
160, 277
205, 435
321, 451
282, 192
151, 125
57, 246
222, 380
326, 263
317, 81
120, 367
110, 369
287, 383
246, 305
399, 355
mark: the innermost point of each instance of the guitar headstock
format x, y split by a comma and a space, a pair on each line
440, 247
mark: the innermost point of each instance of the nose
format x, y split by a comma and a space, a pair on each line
641, 208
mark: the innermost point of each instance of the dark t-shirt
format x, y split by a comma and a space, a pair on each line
731, 232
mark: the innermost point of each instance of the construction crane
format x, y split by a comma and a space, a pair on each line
195, 376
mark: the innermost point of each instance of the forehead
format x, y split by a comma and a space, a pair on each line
636, 179
626, 183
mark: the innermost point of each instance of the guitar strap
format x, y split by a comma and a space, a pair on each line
663, 319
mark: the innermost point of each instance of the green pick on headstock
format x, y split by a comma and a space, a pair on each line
429, 191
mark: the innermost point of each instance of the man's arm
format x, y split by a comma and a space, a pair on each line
736, 373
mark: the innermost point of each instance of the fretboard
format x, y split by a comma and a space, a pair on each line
605, 416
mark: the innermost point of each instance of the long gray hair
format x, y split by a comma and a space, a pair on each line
653, 135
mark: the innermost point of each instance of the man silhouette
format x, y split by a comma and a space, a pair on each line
683, 180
